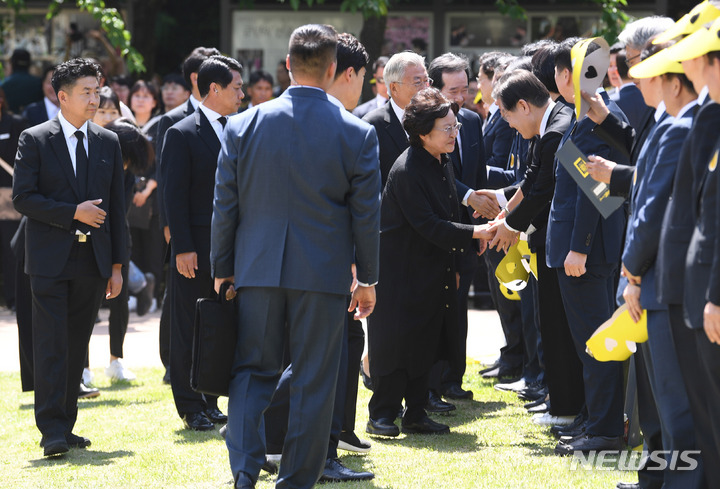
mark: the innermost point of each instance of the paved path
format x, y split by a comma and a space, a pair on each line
141, 342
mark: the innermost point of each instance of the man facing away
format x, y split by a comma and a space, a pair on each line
289, 220
69, 183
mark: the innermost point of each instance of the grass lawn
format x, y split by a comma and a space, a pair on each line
138, 441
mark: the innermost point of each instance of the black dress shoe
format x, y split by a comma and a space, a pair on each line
570, 433
215, 415
537, 402
87, 392
628, 485
489, 368
166, 377
197, 422
55, 446
335, 471
367, 381
244, 481
457, 392
75, 441
588, 443
270, 466
540, 408
533, 392
437, 405
578, 422
502, 372
425, 426
382, 427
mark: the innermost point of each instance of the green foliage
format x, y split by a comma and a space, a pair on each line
612, 19
110, 21
511, 8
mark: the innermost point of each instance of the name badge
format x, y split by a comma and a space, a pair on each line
4, 136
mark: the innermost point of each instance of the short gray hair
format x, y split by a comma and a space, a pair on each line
398, 63
637, 34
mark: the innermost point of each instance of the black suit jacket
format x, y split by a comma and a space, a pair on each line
46, 191
391, 137
498, 136
36, 113
166, 121
680, 214
470, 173
631, 102
538, 186
192, 148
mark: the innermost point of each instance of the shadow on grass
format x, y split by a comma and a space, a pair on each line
81, 457
187, 436
89, 404
439, 443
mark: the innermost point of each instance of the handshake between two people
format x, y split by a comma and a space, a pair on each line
494, 234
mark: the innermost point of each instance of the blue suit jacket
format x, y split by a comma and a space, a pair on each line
574, 223
651, 192
497, 136
679, 219
702, 274
471, 172
296, 213
631, 102
514, 170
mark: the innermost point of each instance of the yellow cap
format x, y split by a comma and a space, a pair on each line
616, 339
657, 64
478, 97
700, 42
700, 15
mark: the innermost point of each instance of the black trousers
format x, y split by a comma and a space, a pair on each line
699, 362
23, 314
511, 355
589, 301
355, 345
119, 317
389, 391
532, 371
563, 369
185, 294
63, 315
148, 252
7, 231
649, 420
165, 314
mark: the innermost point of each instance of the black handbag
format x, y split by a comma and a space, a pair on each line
214, 343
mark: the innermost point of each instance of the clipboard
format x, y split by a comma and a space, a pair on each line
575, 162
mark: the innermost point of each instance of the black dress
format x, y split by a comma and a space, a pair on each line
416, 294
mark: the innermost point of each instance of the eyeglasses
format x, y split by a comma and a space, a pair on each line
420, 83
449, 129
379, 79
629, 62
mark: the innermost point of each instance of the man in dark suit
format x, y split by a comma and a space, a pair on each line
69, 183
380, 89
47, 108
190, 160
405, 75
584, 250
528, 108
497, 134
190, 68
449, 73
289, 258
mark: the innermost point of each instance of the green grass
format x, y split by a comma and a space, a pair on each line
138, 442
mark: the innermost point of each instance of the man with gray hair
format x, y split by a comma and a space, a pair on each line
628, 97
405, 75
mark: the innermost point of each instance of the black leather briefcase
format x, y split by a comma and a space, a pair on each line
214, 342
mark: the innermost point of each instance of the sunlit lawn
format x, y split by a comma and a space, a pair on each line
138, 441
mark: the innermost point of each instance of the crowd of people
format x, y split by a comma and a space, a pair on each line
383, 211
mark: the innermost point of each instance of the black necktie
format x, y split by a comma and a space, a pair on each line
81, 165
222, 120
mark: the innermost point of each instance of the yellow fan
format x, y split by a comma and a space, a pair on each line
616, 339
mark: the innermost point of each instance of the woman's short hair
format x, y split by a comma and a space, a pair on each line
108, 97
420, 114
150, 87
137, 150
